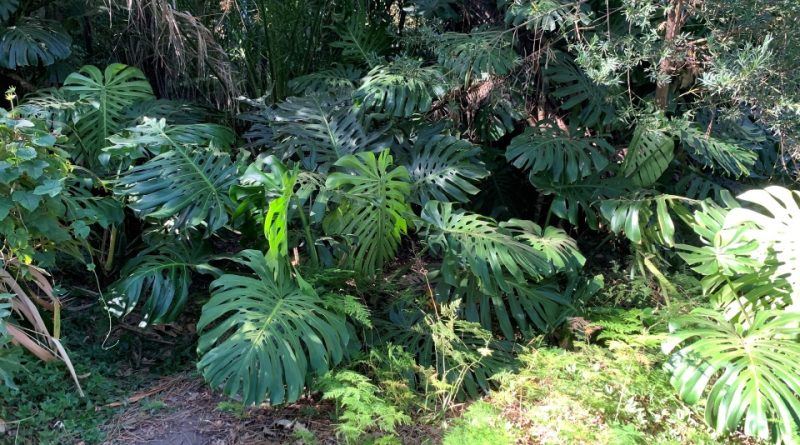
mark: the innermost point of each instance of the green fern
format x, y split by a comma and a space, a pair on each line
362, 409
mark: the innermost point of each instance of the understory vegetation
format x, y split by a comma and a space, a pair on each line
426, 221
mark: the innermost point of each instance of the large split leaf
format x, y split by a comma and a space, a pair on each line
568, 156
185, 184
490, 251
649, 155
444, 168
262, 337
748, 375
477, 55
33, 43
401, 88
776, 216
319, 130
159, 279
105, 97
374, 209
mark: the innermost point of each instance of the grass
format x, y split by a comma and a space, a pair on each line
592, 395
610, 388
46, 408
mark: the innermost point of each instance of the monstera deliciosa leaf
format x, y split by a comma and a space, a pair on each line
717, 153
147, 140
318, 130
374, 209
567, 155
262, 337
776, 217
587, 100
159, 278
105, 97
401, 88
443, 167
476, 55
31, 43
633, 216
362, 41
185, 184
334, 80
543, 15
492, 252
648, 157
747, 374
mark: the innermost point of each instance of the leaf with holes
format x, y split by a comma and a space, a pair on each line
444, 168
104, 97
33, 43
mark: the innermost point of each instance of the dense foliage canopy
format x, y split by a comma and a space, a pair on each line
438, 175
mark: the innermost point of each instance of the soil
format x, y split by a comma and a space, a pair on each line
183, 410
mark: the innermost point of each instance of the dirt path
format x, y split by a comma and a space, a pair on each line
182, 410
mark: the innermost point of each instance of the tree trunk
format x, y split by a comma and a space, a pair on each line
675, 18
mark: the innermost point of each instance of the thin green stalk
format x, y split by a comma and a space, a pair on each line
311, 245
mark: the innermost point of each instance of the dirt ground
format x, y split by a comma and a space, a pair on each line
183, 410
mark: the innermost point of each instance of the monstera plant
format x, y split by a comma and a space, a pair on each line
742, 356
